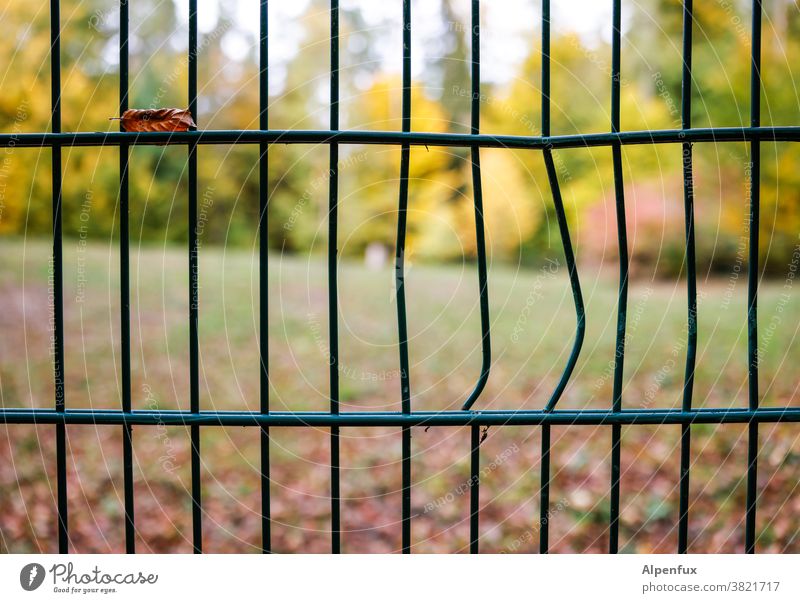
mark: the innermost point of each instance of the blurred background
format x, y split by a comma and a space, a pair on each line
532, 312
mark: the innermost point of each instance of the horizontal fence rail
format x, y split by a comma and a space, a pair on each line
399, 419
431, 139
470, 416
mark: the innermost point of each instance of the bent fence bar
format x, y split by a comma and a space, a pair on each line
60, 415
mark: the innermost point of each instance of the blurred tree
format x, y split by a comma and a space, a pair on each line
518, 205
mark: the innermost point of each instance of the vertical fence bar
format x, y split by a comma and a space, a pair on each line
333, 289
474, 488
622, 300
58, 277
402, 323
544, 493
124, 280
474, 522
580, 332
691, 277
477, 191
544, 481
263, 273
575, 284
475, 429
194, 373
752, 281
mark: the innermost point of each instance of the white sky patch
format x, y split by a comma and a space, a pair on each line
589, 18
510, 29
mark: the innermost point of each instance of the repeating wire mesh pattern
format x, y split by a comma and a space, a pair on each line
615, 417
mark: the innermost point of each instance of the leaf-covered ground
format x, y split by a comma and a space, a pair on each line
532, 327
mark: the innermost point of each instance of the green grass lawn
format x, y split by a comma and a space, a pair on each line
533, 323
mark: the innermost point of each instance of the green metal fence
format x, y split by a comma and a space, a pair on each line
615, 416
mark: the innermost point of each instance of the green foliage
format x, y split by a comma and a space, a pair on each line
518, 203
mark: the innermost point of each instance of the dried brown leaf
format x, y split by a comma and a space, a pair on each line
156, 120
